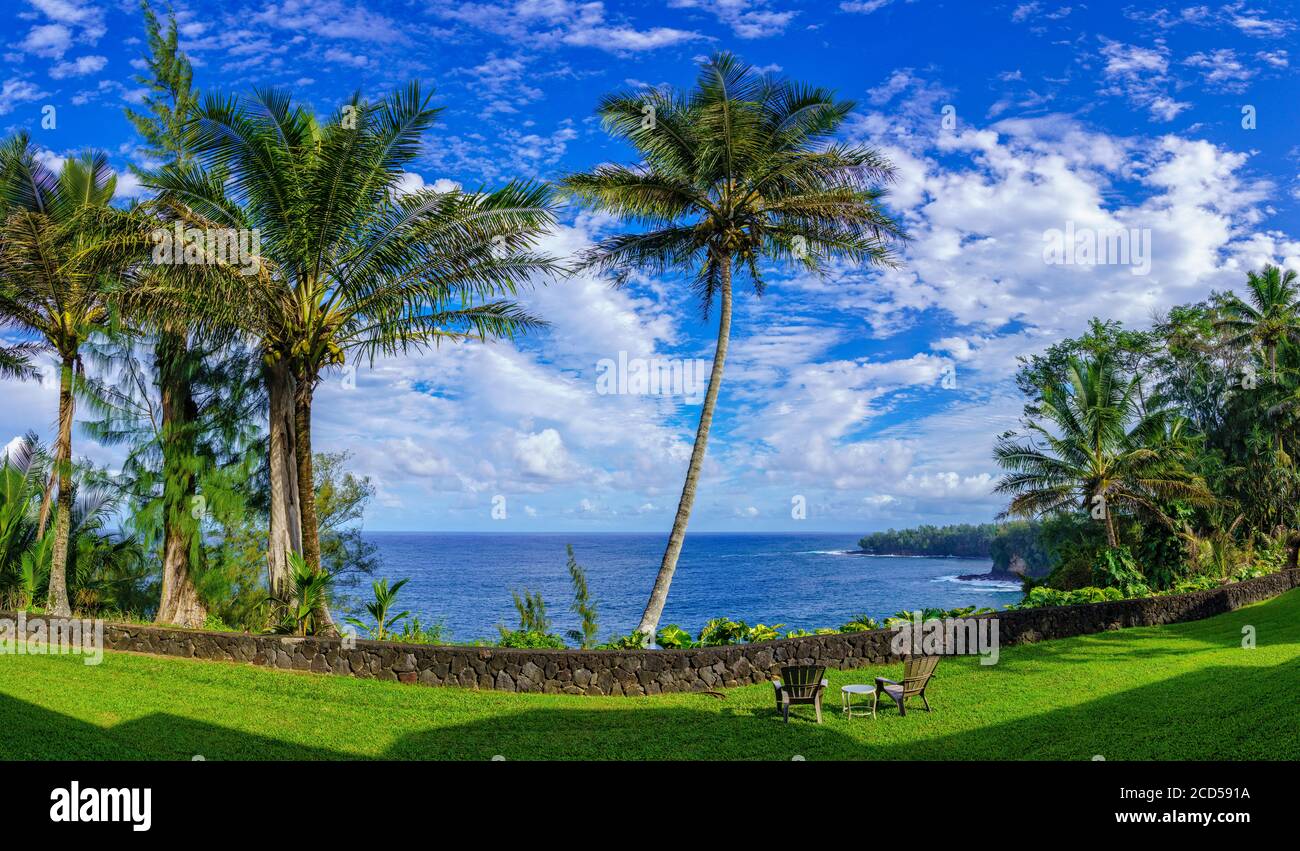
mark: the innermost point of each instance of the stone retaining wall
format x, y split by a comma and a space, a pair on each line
639, 672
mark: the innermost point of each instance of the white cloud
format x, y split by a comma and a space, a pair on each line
345, 57
15, 91
1221, 69
79, 67
865, 7
747, 18
562, 22
1141, 75
48, 40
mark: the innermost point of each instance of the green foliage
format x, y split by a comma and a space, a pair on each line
1116, 568
1001, 542
1093, 442
341, 502
635, 640
860, 623
1195, 583
803, 633
34, 573
170, 97
214, 623
1074, 539
414, 632
1196, 436
583, 605
762, 632
295, 613
721, 632
379, 609
534, 626
1043, 596
531, 609
1021, 539
530, 639
963, 540
672, 637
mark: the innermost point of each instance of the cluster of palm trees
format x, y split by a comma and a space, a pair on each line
742, 170
1184, 435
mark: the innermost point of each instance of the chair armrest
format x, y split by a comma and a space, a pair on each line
826, 683
883, 680
776, 684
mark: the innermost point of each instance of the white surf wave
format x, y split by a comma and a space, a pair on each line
981, 584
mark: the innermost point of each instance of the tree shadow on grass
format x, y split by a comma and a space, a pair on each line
658, 733
1221, 712
35, 733
1224, 712
568, 731
1214, 713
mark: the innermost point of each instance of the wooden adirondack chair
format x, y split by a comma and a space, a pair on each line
800, 684
917, 671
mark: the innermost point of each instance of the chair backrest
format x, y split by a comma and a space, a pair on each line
917, 671
801, 680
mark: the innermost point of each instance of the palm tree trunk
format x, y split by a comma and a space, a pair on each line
659, 594
286, 518
58, 594
179, 603
46, 498
307, 495
1112, 539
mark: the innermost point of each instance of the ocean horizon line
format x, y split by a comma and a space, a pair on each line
602, 532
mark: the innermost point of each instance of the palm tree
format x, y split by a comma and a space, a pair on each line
163, 124
1271, 316
1093, 446
20, 482
740, 170
14, 362
349, 267
54, 264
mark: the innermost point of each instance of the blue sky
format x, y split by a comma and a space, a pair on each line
873, 396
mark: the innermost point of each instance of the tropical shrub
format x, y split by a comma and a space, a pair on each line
672, 637
214, 623
534, 626
414, 632
378, 609
530, 639
1044, 596
532, 611
296, 612
720, 632
632, 641
860, 623
763, 632
1116, 568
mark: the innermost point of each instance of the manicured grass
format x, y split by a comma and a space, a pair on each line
1188, 691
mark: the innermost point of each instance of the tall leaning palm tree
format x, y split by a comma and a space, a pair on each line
1093, 446
350, 267
54, 270
740, 170
1269, 316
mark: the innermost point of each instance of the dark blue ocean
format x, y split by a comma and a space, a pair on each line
806, 581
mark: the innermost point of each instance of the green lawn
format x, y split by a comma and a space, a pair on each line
1188, 691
